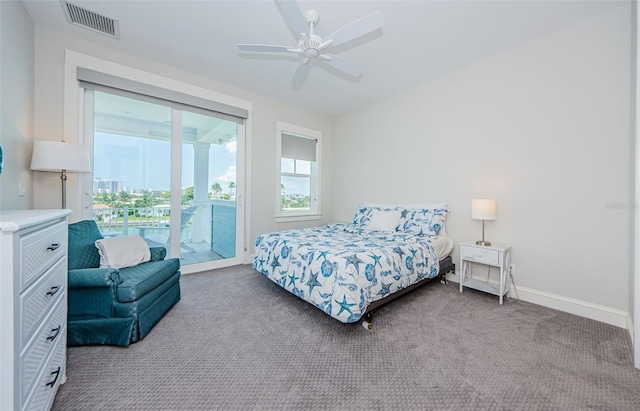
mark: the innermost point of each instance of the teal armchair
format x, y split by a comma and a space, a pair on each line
115, 306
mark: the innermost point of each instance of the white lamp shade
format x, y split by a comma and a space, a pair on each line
58, 156
483, 209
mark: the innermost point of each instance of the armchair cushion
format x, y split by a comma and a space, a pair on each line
139, 280
82, 251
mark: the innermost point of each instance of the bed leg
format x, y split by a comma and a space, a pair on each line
368, 321
443, 278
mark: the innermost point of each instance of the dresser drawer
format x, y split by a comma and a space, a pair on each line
36, 302
41, 248
41, 346
480, 255
52, 375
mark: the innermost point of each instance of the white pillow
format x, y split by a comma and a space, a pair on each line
379, 205
428, 206
383, 220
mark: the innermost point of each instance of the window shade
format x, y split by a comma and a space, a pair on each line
98, 81
298, 148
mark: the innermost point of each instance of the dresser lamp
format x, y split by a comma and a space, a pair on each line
60, 157
485, 210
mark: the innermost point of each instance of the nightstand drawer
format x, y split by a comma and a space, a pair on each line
480, 255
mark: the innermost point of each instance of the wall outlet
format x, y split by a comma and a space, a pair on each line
512, 269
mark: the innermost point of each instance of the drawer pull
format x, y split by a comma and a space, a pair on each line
57, 373
53, 246
54, 336
54, 290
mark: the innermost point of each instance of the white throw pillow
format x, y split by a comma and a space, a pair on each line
383, 220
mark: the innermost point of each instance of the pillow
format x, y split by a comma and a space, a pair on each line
421, 206
379, 205
121, 252
362, 217
424, 205
422, 222
364, 214
383, 220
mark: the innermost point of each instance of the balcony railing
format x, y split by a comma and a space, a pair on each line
124, 221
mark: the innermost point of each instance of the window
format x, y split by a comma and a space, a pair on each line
298, 194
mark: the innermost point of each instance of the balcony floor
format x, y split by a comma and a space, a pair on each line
202, 254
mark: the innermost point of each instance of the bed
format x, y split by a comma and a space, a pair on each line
349, 270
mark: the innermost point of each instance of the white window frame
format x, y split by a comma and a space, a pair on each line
315, 213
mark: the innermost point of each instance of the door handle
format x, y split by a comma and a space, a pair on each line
87, 200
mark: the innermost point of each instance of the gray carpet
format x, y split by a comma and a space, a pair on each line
238, 341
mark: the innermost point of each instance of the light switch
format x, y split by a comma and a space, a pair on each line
22, 191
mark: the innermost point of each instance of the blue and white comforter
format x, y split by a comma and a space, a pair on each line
340, 269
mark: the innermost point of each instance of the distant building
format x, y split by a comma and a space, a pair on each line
107, 186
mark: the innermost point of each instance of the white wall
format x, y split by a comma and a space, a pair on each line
49, 123
16, 103
543, 128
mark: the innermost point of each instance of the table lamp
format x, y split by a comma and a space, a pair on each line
60, 157
483, 209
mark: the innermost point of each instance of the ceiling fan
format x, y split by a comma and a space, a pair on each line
311, 46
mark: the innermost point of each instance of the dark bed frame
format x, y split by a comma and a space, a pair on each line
446, 266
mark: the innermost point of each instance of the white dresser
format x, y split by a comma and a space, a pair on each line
33, 307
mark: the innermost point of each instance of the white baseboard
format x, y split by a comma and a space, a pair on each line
630, 327
586, 309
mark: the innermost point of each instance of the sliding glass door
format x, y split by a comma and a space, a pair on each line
169, 175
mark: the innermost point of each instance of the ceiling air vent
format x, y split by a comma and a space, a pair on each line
91, 20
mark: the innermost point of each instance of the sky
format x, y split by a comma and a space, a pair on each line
143, 163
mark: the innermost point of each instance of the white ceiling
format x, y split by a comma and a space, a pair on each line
420, 40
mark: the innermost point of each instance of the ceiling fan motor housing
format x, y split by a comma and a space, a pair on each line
310, 50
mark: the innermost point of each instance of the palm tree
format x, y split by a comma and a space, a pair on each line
216, 189
231, 187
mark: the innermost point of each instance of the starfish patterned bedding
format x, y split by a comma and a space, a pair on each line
341, 269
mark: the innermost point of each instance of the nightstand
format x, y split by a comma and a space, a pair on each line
496, 255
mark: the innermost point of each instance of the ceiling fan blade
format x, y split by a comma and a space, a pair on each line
264, 48
358, 28
343, 65
293, 15
301, 74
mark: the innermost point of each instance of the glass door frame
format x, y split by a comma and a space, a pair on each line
85, 183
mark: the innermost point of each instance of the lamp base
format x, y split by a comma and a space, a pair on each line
483, 243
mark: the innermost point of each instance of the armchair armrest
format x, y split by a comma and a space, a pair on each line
93, 277
158, 253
